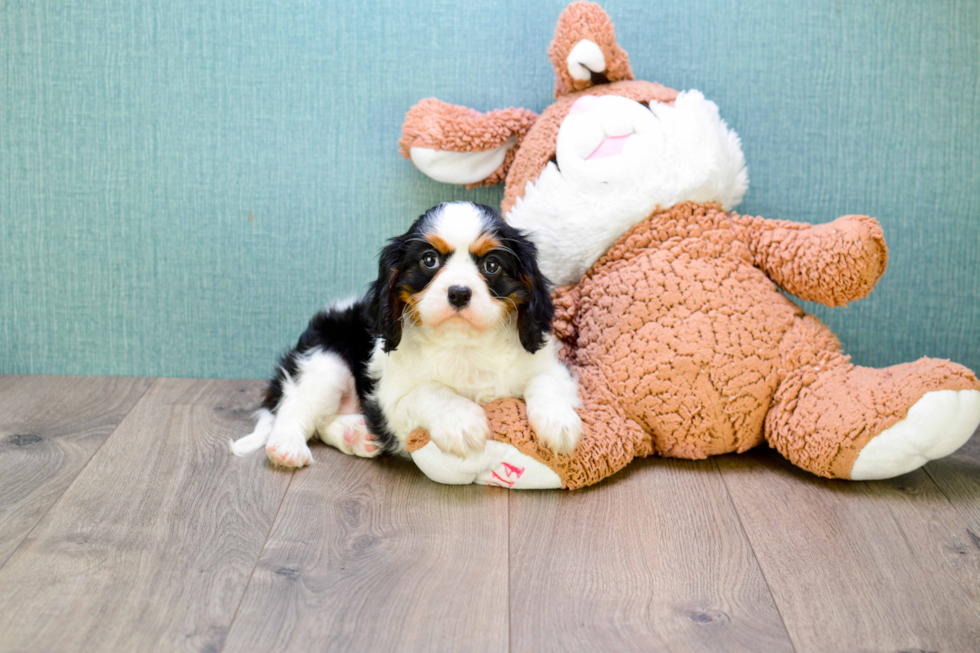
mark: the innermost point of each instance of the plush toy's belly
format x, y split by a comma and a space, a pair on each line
686, 335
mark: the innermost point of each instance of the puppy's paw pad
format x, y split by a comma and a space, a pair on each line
558, 428
349, 433
289, 453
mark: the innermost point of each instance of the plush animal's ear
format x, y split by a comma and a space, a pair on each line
534, 316
457, 145
584, 51
386, 305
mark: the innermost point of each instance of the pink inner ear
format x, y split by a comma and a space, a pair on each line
610, 146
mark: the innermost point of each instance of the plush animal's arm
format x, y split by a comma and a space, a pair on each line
457, 145
832, 264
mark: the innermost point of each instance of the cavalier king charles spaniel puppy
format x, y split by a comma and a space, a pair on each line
459, 315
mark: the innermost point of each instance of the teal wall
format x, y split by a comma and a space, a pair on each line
183, 183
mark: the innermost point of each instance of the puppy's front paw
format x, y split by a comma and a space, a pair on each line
288, 451
557, 426
462, 430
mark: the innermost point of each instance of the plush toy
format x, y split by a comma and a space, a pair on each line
669, 309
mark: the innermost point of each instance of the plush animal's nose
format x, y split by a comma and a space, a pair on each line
459, 296
583, 104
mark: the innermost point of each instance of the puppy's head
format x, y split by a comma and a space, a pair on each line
460, 267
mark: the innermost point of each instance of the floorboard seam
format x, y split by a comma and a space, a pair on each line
943, 491
28, 534
258, 559
963, 519
755, 556
956, 510
945, 494
510, 629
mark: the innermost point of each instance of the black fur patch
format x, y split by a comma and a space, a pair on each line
350, 334
519, 280
400, 273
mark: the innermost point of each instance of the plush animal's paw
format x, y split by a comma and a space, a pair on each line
557, 425
500, 464
462, 430
935, 426
349, 433
288, 451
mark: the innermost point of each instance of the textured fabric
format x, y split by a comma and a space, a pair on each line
182, 184
684, 347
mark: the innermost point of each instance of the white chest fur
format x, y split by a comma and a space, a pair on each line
481, 369
438, 381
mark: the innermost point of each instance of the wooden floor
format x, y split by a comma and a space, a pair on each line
125, 525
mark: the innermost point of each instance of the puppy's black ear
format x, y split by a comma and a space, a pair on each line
534, 316
386, 305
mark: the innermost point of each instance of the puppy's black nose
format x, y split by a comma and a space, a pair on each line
459, 296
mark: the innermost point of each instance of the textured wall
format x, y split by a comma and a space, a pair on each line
182, 183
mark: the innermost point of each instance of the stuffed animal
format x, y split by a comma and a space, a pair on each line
669, 309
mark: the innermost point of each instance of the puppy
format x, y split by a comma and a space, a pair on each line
459, 315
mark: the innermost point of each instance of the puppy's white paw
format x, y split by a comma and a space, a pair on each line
557, 425
288, 451
349, 434
462, 430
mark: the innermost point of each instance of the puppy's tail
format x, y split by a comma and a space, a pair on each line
258, 437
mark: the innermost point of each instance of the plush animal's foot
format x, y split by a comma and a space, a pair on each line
499, 464
288, 450
463, 430
557, 426
349, 433
936, 425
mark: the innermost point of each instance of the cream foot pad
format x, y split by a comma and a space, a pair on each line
500, 464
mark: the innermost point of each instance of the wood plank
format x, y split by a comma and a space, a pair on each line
859, 566
958, 476
152, 546
372, 556
651, 559
50, 427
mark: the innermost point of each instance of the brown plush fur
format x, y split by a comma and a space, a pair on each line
581, 21
685, 347
438, 125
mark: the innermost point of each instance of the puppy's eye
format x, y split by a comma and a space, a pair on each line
491, 265
430, 261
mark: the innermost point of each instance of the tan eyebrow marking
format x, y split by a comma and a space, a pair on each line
484, 245
439, 244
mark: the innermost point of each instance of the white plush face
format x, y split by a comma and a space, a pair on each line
607, 140
617, 162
